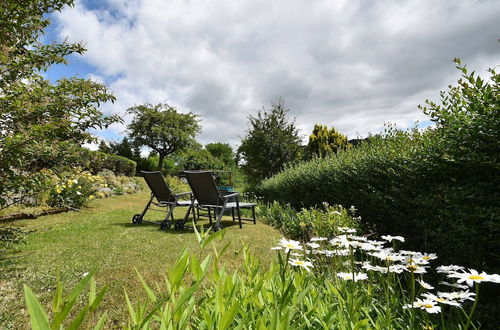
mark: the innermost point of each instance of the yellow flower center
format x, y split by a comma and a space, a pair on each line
299, 262
425, 257
476, 277
428, 305
412, 267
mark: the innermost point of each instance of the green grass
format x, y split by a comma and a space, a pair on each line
102, 237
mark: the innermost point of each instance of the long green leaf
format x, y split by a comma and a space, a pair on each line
102, 320
38, 316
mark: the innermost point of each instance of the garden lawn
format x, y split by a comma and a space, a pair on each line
102, 237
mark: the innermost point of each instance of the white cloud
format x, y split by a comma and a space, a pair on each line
351, 64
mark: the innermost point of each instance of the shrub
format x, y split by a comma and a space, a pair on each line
302, 225
439, 188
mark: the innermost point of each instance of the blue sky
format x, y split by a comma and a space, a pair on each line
351, 64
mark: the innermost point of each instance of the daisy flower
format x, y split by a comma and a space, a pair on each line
390, 238
318, 239
346, 229
425, 285
470, 277
288, 245
352, 277
428, 305
457, 295
441, 300
449, 269
300, 263
454, 285
313, 245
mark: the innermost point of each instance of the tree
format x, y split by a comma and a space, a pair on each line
222, 151
323, 141
162, 129
272, 140
41, 122
125, 149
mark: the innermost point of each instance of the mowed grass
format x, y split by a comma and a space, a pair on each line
103, 238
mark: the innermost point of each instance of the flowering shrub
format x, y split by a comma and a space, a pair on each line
73, 189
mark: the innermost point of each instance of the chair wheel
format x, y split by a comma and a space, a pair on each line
165, 225
137, 219
179, 225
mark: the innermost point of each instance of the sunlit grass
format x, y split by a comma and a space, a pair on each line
102, 237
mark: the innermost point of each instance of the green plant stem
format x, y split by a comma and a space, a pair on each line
469, 318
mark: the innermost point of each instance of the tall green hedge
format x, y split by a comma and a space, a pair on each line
439, 188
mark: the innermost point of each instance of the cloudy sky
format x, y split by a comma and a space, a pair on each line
351, 64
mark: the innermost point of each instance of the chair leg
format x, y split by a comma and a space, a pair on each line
253, 214
239, 217
232, 213
219, 218
210, 215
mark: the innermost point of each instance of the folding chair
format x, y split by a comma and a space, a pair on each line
210, 198
164, 198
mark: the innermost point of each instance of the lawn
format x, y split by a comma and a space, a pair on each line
102, 237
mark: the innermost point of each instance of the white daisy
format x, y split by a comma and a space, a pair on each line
425, 285
318, 239
449, 269
471, 277
428, 305
313, 245
454, 285
441, 300
288, 245
390, 238
300, 263
457, 295
353, 277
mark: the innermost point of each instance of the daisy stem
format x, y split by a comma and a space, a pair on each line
469, 318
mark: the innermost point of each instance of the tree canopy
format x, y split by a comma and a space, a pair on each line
41, 122
222, 151
323, 141
163, 129
272, 140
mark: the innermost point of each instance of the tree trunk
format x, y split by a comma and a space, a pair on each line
160, 162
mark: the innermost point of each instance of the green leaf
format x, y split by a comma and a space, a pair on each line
70, 301
38, 316
102, 320
149, 292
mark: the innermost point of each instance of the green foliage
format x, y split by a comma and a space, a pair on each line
342, 285
306, 223
39, 118
323, 141
272, 141
222, 151
63, 305
162, 129
438, 188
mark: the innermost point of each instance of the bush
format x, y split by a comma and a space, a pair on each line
306, 223
439, 188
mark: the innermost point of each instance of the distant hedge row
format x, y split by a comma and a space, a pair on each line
439, 188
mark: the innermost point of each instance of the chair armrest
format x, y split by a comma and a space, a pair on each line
183, 194
234, 194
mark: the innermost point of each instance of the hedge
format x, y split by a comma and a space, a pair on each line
438, 188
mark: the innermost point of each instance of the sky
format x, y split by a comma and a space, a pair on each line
354, 65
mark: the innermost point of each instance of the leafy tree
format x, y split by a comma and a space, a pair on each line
163, 129
222, 151
41, 122
272, 140
125, 149
324, 141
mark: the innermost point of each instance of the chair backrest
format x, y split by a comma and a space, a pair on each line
203, 186
158, 186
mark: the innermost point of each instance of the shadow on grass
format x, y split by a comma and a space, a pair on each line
187, 230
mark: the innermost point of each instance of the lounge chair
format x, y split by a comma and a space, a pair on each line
210, 198
164, 198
